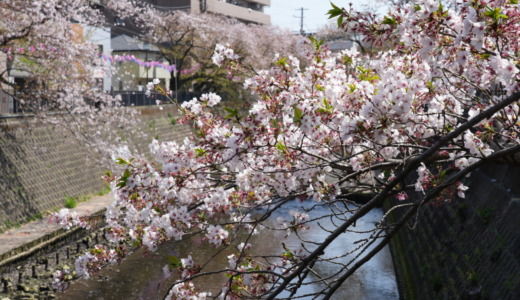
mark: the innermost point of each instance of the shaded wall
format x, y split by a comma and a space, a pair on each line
41, 166
466, 249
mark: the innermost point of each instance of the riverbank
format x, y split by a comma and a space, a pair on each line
42, 168
31, 253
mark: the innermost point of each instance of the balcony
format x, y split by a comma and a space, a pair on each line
239, 12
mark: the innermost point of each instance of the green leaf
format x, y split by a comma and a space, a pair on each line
123, 162
280, 146
326, 109
274, 123
282, 62
199, 152
334, 11
320, 88
389, 21
430, 86
298, 114
442, 176
513, 1
347, 60
288, 254
233, 113
174, 262
327, 104
124, 179
340, 21
441, 7
317, 43
495, 13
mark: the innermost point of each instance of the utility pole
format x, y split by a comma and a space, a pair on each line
302, 32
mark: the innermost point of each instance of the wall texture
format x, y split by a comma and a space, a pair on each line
468, 248
41, 166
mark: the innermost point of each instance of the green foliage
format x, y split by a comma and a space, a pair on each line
367, 75
316, 43
123, 162
173, 121
347, 60
389, 21
327, 107
104, 191
280, 146
298, 114
282, 62
336, 12
199, 152
124, 179
494, 13
70, 202
174, 262
232, 113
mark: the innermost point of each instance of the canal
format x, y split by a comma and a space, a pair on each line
140, 275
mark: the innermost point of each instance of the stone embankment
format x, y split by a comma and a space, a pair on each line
31, 254
466, 249
41, 167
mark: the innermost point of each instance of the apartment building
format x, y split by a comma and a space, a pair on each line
248, 11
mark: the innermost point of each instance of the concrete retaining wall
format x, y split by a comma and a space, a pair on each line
41, 166
466, 249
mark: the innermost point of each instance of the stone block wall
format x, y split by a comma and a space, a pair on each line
41, 166
468, 248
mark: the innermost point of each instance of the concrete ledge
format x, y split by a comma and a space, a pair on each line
21, 243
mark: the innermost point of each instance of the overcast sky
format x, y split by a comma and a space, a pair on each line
286, 13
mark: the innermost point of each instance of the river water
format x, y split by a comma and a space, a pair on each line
140, 275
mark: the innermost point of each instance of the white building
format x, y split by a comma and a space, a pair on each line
248, 11
101, 37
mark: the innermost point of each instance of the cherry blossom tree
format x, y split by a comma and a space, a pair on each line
188, 41
44, 43
406, 128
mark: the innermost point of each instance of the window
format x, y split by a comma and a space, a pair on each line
119, 22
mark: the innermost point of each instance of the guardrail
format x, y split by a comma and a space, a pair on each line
139, 98
10, 106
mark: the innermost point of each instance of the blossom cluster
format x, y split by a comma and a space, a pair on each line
67, 219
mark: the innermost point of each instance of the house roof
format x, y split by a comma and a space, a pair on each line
340, 45
124, 42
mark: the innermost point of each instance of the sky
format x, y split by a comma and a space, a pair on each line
286, 13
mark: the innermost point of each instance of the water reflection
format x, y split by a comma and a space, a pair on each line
141, 277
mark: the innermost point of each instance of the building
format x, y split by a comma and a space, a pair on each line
100, 36
132, 76
248, 11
